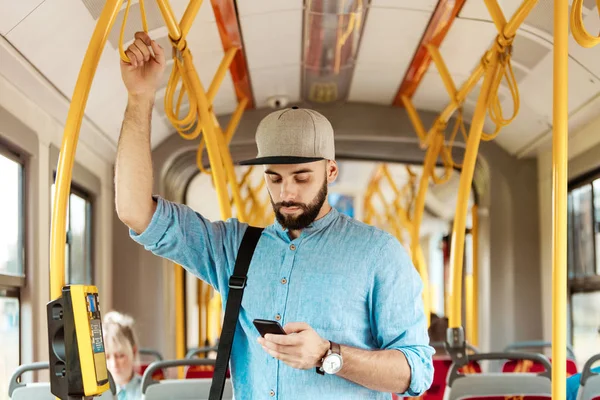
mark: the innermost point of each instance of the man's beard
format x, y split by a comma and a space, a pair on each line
308, 212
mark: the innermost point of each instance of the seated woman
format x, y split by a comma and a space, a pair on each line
121, 350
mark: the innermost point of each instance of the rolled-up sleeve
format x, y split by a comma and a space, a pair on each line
397, 313
204, 248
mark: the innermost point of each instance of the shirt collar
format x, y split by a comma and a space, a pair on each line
315, 226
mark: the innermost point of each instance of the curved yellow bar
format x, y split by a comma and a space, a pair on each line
188, 16
212, 145
560, 119
171, 22
462, 203
69, 144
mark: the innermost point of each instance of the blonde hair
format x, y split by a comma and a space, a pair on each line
119, 334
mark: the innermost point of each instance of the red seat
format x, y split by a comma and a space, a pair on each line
158, 375
441, 366
532, 366
202, 371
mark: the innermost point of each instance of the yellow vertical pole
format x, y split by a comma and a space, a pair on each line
462, 204
179, 317
475, 286
471, 288
559, 198
69, 144
207, 317
201, 326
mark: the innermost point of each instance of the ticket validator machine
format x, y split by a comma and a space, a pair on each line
77, 359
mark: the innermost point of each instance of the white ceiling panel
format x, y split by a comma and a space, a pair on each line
464, 45
375, 84
536, 89
431, 94
14, 12
205, 14
273, 39
250, 7
277, 81
391, 37
61, 64
478, 10
204, 38
423, 5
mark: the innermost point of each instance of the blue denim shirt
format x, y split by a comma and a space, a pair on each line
353, 283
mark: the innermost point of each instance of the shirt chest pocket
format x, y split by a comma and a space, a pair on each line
329, 302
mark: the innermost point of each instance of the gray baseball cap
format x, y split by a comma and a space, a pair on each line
293, 136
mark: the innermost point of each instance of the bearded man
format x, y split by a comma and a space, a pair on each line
346, 293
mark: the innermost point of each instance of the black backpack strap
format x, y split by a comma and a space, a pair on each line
237, 283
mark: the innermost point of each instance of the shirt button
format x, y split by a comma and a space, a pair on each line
283, 281
293, 247
272, 393
278, 317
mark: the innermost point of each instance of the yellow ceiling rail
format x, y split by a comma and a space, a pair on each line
580, 33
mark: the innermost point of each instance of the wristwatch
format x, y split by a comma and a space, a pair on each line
332, 362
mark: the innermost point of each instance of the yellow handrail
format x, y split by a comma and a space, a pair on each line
471, 283
179, 317
466, 179
560, 118
69, 144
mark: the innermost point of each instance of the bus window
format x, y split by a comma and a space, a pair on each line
11, 263
584, 268
78, 247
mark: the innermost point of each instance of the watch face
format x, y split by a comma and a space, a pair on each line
332, 363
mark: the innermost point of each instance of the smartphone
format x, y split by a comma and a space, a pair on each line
265, 326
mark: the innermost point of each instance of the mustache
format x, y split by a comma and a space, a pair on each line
290, 204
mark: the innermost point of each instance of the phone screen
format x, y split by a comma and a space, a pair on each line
265, 326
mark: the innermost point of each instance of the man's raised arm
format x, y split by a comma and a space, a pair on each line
133, 170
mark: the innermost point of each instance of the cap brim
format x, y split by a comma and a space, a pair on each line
280, 160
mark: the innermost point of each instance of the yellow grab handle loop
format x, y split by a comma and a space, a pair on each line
580, 33
124, 56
